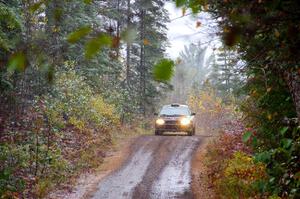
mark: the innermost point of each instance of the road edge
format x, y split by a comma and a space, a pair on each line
199, 184
86, 184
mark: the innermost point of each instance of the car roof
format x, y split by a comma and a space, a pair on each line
175, 105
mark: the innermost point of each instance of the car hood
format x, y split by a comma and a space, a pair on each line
174, 117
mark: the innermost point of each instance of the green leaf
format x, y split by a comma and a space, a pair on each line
254, 142
283, 130
286, 143
180, 3
48, 71
7, 83
36, 6
87, 1
163, 70
94, 45
17, 62
261, 185
195, 6
246, 136
58, 14
263, 156
78, 34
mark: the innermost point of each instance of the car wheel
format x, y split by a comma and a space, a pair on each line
157, 132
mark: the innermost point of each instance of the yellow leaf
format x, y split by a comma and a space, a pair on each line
17, 62
78, 34
277, 34
55, 29
87, 1
146, 42
269, 89
183, 11
269, 116
95, 44
233, 11
226, 29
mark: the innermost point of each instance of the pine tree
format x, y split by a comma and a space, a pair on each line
191, 71
151, 18
225, 76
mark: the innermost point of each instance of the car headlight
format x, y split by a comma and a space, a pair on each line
185, 121
160, 121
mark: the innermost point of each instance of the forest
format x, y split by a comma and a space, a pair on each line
76, 73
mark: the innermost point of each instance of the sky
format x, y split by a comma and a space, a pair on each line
183, 30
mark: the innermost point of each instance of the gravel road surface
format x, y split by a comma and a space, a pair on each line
158, 167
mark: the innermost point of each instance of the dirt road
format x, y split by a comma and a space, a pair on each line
157, 167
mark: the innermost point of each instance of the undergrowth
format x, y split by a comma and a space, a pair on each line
64, 133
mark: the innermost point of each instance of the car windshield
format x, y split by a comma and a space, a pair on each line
174, 111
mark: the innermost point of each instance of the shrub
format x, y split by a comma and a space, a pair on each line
241, 175
73, 102
103, 114
69, 101
65, 132
13, 158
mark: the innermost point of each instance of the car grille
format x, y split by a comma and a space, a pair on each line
172, 122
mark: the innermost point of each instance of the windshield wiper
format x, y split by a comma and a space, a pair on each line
165, 115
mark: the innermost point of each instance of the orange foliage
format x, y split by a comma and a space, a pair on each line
212, 113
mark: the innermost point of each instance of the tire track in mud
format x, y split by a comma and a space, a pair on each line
175, 179
158, 167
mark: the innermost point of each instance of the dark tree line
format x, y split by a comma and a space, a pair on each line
266, 36
70, 72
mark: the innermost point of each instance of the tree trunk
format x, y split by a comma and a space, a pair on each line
128, 46
52, 29
118, 30
142, 64
293, 81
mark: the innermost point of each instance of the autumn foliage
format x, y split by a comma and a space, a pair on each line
232, 170
212, 113
265, 35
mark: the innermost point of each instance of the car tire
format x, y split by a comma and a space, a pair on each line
157, 132
191, 133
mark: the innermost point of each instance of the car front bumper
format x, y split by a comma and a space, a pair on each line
173, 128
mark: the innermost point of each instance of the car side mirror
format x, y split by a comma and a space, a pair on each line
193, 114
156, 114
